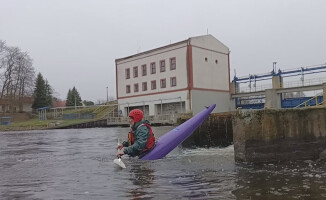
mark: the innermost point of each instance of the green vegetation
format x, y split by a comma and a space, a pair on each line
100, 112
73, 98
42, 93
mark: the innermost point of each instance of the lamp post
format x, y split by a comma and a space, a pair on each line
107, 94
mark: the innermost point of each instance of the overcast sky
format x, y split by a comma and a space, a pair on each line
76, 42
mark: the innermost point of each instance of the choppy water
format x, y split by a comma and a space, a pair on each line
78, 164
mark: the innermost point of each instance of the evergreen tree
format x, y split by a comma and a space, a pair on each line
88, 103
73, 98
42, 93
49, 92
69, 101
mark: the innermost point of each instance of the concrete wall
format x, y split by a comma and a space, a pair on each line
278, 135
210, 69
216, 130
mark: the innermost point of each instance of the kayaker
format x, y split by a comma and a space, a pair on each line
140, 138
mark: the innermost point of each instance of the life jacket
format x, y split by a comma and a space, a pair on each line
150, 141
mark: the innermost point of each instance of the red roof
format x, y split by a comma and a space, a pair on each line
59, 104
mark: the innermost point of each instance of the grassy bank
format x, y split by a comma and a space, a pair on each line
33, 123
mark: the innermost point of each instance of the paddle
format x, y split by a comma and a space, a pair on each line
118, 161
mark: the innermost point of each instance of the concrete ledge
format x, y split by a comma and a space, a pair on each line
278, 135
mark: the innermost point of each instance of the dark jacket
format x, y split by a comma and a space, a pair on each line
141, 135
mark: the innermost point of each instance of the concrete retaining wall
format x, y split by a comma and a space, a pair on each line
277, 135
216, 130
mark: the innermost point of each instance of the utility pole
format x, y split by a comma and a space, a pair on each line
107, 94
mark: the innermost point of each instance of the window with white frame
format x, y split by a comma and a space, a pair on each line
162, 66
127, 89
144, 86
173, 81
143, 70
136, 87
173, 64
163, 83
128, 73
153, 85
153, 68
135, 71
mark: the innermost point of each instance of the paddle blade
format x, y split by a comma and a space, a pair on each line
119, 163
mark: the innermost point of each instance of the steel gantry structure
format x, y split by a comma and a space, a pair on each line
253, 78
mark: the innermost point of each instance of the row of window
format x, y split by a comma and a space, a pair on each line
152, 68
173, 83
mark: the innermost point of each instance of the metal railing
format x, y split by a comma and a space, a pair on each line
305, 103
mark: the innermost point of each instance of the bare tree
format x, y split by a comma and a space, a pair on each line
16, 74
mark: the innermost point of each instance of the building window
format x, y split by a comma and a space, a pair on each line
144, 86
173, 81
162, 66
128, 89
135, 71
143, 70
173, 64
206, 59
136, 87
153, 68
128, 73
153, 85
163, 83
216, 61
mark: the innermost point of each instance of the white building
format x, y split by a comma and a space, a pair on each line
178, 78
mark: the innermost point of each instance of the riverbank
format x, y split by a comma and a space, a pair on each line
66, 118
35, 124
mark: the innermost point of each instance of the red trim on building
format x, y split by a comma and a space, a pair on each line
116, 80
190, 73
190, 68
229, 71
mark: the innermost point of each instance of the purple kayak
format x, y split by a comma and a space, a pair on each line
167, 142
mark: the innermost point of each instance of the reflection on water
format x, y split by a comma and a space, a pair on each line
78, 164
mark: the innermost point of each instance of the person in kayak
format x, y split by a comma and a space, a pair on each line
140, 138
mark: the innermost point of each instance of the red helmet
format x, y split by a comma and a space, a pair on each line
137, 115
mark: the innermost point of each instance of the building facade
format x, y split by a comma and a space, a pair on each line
183, 77
16, 105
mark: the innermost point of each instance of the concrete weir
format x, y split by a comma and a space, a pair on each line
279, 135
216, 130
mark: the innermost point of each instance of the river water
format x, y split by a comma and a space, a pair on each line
78, 164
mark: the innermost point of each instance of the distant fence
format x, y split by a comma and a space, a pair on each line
79, 116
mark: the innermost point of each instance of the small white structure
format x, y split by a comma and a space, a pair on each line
178, 78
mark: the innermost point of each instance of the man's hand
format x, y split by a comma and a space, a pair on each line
119, 154
120, 146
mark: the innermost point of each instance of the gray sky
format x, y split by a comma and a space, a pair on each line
75, 42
